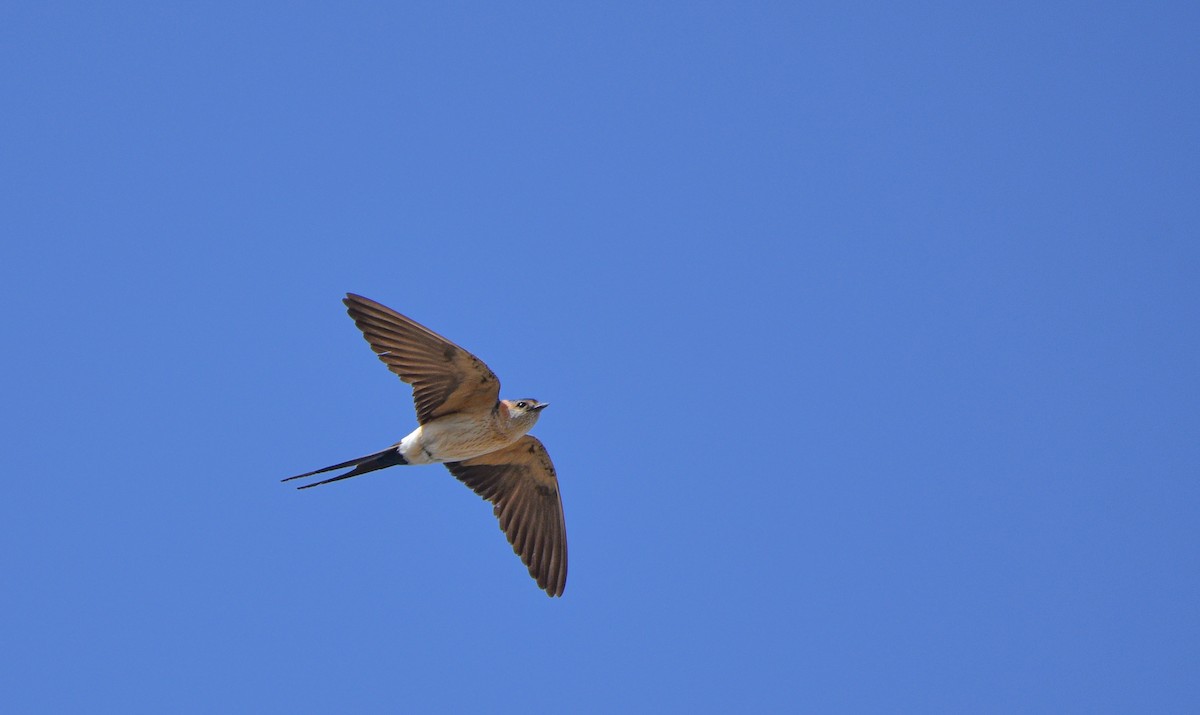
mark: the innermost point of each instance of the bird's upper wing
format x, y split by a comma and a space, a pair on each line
520, 483
445, 378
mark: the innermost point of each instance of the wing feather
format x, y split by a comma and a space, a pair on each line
445, 378
522, 486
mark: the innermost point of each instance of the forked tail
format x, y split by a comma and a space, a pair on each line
389, 457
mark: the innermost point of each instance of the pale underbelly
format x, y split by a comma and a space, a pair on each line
451, 440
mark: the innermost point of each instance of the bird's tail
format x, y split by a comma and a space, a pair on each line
387, 458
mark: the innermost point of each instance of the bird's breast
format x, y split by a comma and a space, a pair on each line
453, 438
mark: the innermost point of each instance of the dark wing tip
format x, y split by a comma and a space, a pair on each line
353, 299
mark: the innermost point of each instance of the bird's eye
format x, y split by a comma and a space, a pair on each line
522, 404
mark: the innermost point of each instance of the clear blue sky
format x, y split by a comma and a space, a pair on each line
871, 334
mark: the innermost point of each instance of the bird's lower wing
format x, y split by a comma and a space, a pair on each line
520, 482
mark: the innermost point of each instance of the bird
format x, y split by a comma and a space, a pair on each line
463, 424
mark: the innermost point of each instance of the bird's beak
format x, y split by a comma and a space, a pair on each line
541, 406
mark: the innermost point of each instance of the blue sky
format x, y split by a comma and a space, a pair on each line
870, 333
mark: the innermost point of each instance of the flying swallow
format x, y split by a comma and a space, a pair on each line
464, 425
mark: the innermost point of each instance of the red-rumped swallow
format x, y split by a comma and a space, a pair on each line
480, 438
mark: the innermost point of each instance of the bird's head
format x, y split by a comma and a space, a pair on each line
524, 413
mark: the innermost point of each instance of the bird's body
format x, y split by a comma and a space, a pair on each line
480, 438
463, 435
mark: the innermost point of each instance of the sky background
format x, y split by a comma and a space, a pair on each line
871, 334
